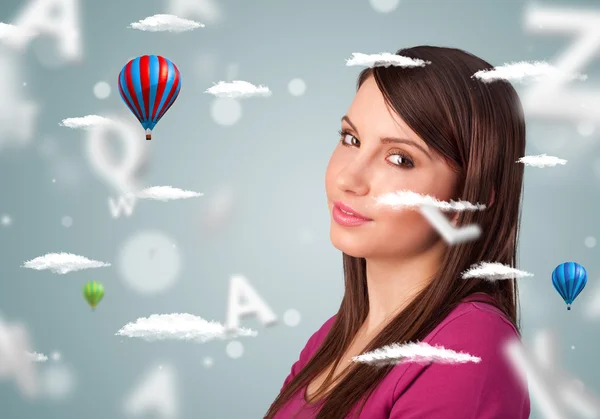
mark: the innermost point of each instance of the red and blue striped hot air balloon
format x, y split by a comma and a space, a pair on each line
149, 86
569, 280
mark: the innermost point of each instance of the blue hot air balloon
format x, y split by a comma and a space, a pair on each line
149, 86
569, 280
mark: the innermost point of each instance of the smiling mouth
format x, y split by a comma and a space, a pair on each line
347, 210
345, 216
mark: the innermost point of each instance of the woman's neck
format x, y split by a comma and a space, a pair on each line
393, 283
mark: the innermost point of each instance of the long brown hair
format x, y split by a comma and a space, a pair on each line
480, 130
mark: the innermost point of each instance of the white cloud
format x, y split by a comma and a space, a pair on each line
165, 23
56, 356
166, 193
541, 160
384, 59
419, 352
238, 89
15, 362
180, 326
85, 122
63, 263
409, 199
493, 271
37, 357
13, 34
525, 71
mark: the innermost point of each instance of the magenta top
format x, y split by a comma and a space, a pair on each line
486, 390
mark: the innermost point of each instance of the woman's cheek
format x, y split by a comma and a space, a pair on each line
408, 223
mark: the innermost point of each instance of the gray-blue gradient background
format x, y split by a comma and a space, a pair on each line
266, 172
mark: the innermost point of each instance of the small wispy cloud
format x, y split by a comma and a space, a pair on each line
541, 160
84, 122
409, 199
165, 23
63, 263
526, 71
166, 193
384, 59
419, 352
10, 33
180, 326
37, 357
493, 271
238, 89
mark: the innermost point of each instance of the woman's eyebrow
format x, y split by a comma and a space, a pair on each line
349, 122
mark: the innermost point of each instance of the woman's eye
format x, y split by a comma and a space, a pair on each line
350, 140
400, 160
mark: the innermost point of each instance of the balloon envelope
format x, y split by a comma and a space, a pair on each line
569, 280
149, 86
93, 292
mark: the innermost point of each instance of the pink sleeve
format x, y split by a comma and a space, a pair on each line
309, 350
485, 390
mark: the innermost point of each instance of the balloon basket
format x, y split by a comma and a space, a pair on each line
148, 137
568, 307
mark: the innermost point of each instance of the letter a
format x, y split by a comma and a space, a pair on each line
239, 289
59, 18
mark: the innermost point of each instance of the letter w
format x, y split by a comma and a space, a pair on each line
125, 203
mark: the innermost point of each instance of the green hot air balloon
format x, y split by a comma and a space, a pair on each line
93, 292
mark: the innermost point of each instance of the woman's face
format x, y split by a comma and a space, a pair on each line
379, 154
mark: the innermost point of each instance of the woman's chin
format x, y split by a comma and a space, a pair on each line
351, 246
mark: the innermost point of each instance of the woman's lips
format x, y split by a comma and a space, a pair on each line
346, 216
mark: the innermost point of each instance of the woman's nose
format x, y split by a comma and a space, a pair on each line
352, 179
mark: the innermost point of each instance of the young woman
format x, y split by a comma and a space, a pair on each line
435, 130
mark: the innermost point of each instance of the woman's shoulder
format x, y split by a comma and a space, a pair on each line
487, 387
474, 317
475, 321
478, 328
